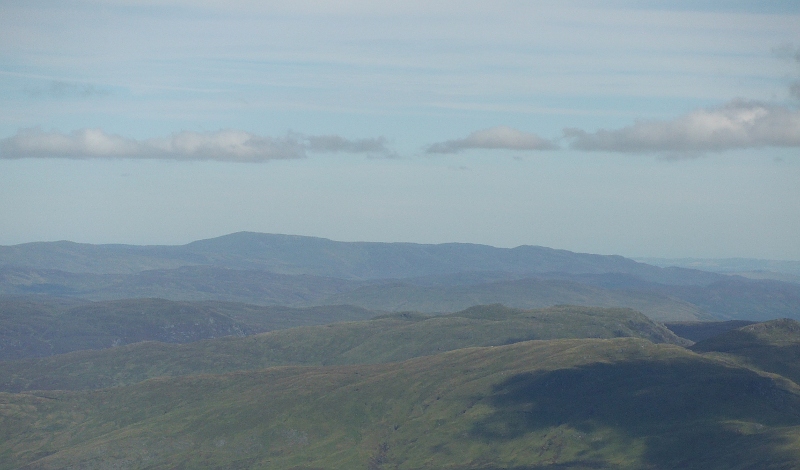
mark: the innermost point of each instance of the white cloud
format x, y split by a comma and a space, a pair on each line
494, 138
225, 145
736, 125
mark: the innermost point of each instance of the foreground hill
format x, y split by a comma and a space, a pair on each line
566, 404
36, 326
385, 339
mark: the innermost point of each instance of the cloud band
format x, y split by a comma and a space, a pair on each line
738, 124
225, 145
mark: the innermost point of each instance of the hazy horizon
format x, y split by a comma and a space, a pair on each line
658, 261
644, 129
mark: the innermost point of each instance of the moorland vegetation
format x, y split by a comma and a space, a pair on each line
389, 356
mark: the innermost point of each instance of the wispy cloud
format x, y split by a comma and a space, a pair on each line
225, 145
65, 89
787, 51
494, 138
335, 143
735, 125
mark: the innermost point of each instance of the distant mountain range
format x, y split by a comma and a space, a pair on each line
296, 271
291, 254
778, 270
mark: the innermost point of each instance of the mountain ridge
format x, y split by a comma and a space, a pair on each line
295, 254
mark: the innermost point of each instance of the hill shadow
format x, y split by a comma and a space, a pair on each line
703, 330
690, 413
776, 351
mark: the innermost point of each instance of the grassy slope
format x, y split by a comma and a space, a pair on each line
384, 339
622, 403
41, 326
773, 346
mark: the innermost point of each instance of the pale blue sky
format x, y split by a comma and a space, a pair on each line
635, 128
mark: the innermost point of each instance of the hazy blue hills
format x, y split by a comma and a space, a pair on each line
738, 298
196, 283
732, 298
290, 254
788, 271
297, 271
522, 293
308, 255
183, 283
99, 259
41, 325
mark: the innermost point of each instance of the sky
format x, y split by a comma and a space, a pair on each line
640, 128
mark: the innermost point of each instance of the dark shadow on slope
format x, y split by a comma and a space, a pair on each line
782, 360
700, 330
772, 346
682, 408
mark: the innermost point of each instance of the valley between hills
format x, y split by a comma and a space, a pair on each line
283, 352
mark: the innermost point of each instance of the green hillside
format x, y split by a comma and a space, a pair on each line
566, 404
42, 325
391, 338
